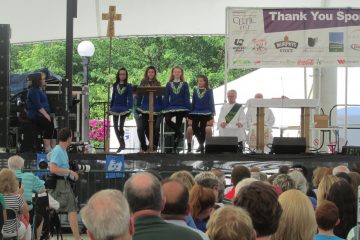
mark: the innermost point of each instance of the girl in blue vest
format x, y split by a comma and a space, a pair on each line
203, 109
38, 109
176, 102
121, 104
143, 107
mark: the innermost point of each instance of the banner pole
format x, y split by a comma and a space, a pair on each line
226, 54
346, 104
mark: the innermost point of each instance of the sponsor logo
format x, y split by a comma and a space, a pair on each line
257, 62
286, 45
336, 42
306, 62
355, 46
239, 45
242, 61
288, 62
341, 61
259, 46
312, 41
244, 22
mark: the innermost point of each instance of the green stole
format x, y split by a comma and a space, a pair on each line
232, 112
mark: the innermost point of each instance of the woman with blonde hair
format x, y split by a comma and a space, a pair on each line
185, 177
202, 201
230, 223
297, 221
319, 173
14, 200
324, 187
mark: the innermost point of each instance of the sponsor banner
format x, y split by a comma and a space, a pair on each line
292, 37
115, 164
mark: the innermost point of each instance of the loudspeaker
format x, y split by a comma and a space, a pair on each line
221, 144
288, 145
4, 84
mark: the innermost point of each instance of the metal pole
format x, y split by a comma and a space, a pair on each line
85, 115
346, 103
71, 12
305, 83
226, 54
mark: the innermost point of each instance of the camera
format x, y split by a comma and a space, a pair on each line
74, 166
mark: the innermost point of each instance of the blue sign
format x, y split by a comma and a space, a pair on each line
40, 157
115, 163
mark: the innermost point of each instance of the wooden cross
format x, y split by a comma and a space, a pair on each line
111, 16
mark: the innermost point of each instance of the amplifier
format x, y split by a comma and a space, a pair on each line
350, 150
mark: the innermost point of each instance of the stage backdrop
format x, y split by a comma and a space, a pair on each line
294, 37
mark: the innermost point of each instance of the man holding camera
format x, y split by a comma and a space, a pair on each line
63, 193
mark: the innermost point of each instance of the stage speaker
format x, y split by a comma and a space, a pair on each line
221, 144
288, 145
4, 84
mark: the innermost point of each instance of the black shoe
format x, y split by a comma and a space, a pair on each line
202, 149
119, 149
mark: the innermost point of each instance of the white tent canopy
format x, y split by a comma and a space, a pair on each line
45, 20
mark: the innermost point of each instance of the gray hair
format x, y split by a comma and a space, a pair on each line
300, 181
233, 91
204, 175
243, 183
16, 162
106, 215
339, 169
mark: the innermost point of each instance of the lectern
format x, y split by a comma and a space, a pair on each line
261, 104
151, 91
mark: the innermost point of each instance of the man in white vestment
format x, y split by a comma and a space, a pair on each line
232, 120
269, 121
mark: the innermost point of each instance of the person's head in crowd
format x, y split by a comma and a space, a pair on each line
355, 167
297, 221
324, 187
355, 181
202, 201
261, 201
239, 173
219, 174
344, 176
204, 175
284, 181
299, 168
177, 200
16, 163
9, 183
155, 174
259, 176
212, 184
230, 223
35, 80
327, 217
143, 192
243, 183
318, 175
339, 169
107, 216
185, 177
300, 180
284, 169
342, 194
272, 177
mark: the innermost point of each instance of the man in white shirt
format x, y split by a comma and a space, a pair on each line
269, 121
232, 119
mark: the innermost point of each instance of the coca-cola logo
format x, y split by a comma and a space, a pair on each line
306, 62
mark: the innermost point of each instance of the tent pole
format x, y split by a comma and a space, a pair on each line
346, 104
305, 83
226, 54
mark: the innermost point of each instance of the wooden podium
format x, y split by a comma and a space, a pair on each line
261, 104
151, 91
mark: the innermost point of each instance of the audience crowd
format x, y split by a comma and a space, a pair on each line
289, 205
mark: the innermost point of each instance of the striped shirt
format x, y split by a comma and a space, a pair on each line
14, 202
30, 183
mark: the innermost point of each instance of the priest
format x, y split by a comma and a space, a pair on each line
232, 120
